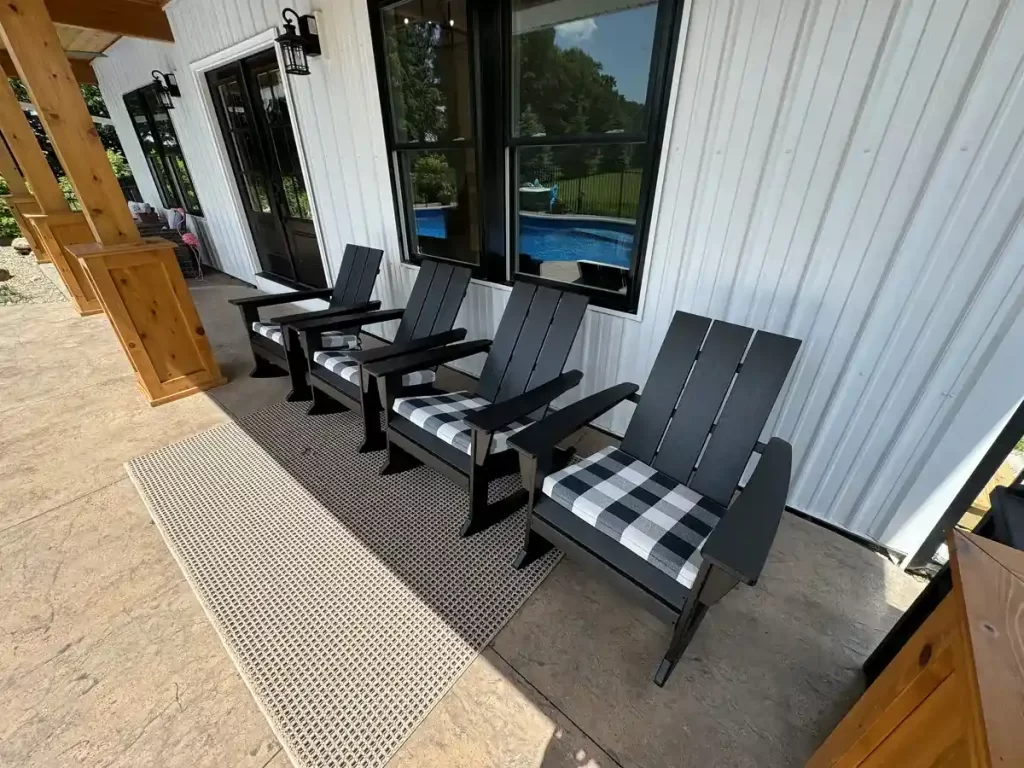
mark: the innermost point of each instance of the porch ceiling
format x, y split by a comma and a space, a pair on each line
86, 28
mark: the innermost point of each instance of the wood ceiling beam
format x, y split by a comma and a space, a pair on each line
29, 35
121, 17
81, 68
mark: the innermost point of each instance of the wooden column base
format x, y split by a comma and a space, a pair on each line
22, 205
141, 288
57, 232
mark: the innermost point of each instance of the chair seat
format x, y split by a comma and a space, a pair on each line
443, 417
646, 511
331, 339
342, 365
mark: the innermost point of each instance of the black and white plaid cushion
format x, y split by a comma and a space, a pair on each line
344, 366
442, 416
331, 339
646, 511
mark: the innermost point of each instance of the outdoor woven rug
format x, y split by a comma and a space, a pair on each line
348, 601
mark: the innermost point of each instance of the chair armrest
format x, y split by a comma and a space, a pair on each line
281, 298
403, 348
428, 358
300, 318
494, 417
743, 537
345, 317
540, 438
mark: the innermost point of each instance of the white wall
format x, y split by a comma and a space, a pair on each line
845, 171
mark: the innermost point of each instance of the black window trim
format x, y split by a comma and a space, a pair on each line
143, 96
496, 56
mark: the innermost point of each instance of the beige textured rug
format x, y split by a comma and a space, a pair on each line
347, 600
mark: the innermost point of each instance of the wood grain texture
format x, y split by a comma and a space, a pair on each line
134, 18
954, 696
9, 170
990, 587
144, 294
57, 232
26, 150
30, 37
22, 205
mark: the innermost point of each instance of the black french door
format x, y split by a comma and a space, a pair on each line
253, 114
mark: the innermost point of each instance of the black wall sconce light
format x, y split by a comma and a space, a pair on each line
166, 87
297, 45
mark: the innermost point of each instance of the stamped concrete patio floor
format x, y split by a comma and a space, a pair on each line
107, 659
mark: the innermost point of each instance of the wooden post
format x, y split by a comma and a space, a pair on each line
19, 199
137, 282
54, 226
31, 39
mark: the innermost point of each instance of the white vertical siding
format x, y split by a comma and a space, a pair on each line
850, 172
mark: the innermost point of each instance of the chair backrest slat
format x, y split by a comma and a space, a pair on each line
453, 296
565, 325
359, 270
438, 289
678, 351
754, 392
434, 300
702, 398
531, 339
348, 261
420, 290
505, 339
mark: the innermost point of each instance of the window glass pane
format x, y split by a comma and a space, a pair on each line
440, 189
580, 67
428, 70
577, 210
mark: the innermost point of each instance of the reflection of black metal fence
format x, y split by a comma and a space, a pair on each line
130, 190
603, 194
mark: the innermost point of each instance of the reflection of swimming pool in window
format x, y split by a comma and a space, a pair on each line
547, 237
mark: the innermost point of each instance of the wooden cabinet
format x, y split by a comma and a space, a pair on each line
954, 696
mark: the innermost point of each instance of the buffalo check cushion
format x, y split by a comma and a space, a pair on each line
646, 511
443, 417
341, 364
331, 339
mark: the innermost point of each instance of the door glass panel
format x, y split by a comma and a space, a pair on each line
428, 66
282, 138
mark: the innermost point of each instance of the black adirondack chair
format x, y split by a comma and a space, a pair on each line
337, 380
654, 514
275, 345
464, 435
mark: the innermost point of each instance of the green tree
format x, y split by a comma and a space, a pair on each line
535, 163
415, 89
431, 180
97, 107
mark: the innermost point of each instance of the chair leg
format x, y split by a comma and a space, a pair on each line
483, 515
399, 460
323, 404
534, 548
685, 628
301, 392
264, 369
374, 437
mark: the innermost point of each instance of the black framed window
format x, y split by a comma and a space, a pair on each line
163, 153
525, 135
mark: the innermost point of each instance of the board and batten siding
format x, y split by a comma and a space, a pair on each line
849, 172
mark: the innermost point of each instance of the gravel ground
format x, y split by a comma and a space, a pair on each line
27, 284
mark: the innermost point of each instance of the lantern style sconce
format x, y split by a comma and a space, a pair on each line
298, 44
167, 86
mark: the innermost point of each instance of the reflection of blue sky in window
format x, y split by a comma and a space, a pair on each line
621, 41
